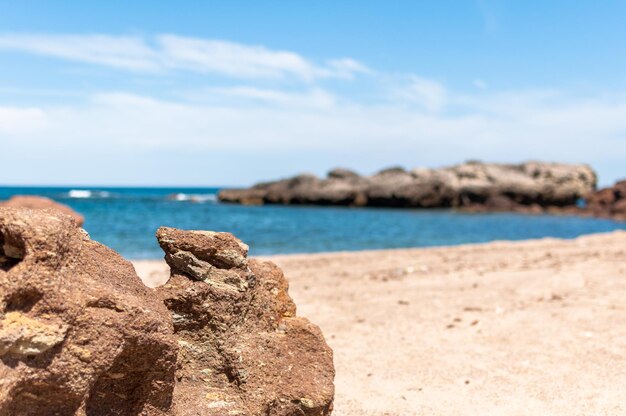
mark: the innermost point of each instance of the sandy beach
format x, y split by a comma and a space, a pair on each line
505, 328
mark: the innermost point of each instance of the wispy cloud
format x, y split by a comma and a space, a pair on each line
314, 98
577, 130
426, 93
304, 125
115, 51
16, 121
172, 52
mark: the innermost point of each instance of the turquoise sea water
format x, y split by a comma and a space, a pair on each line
126, 219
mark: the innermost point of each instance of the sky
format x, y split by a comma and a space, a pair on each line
228, 93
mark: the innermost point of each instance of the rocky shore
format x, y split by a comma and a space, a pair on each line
529, 187
608, 202
80, 334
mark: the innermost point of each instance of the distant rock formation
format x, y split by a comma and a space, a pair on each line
242, 349
79, 332
530, 186
609, 202
41, 202
81, 335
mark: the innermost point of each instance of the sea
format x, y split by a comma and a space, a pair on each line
126, 220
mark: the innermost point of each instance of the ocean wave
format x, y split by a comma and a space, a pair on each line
198, 198
85, 193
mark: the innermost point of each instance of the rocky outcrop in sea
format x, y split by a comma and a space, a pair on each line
609, 202
80, 334
530, 186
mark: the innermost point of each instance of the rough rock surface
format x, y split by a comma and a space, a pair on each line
609, 202
41, 202
242, 349
79, 332
472, 185
81, 335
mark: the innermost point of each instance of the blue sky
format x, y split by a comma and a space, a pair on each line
228, 93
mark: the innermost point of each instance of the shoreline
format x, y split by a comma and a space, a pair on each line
271, 257
495, 328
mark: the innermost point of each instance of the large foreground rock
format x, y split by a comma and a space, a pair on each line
79, 333
243, 351
41, 202
471, 185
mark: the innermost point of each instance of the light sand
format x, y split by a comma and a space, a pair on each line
527, 328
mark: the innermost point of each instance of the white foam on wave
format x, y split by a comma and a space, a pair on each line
198, 198
84, 193
79, 193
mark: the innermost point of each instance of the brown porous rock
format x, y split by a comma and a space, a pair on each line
609, 202
242, 349
41, 202
79, 332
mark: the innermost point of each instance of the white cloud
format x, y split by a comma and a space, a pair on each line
18, 121
424, 92
346, 68
115, 51
233, 59
314, 98
573, 131
172, 52
280, 130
